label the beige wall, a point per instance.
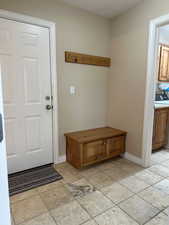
(128, 76)
(78, 31)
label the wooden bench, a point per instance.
(87, 147)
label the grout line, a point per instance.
(98, 213)
(84, 210)
(150, 203)
(28, 197)
(129, 216)
(34, 217)
(151, 218)
(31, 217)
(115, 206)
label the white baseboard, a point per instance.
(61, 159)
(133, 158)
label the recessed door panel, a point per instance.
(9, 82)
(10, 131)
(33, 133)
(31, 80)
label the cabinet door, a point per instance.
(115, 146)
(164, 63)
(94, 151)
(160, 128)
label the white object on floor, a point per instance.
(80, 190)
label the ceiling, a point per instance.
(106, 8)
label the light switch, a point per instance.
(72, 90)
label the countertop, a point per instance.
(161, 104)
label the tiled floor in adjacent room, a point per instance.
(126, 194)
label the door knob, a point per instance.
(49, 107)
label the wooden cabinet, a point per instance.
(90, 146)
(160, 128)
(164, 63)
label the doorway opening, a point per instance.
(156, 114)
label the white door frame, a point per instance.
(151, 87)
(52, 33)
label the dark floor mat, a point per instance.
(32, 178)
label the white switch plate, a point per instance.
(72, 90)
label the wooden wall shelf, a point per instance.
(73, 57)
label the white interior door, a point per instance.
(25, 60)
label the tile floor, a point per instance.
(126, 194)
